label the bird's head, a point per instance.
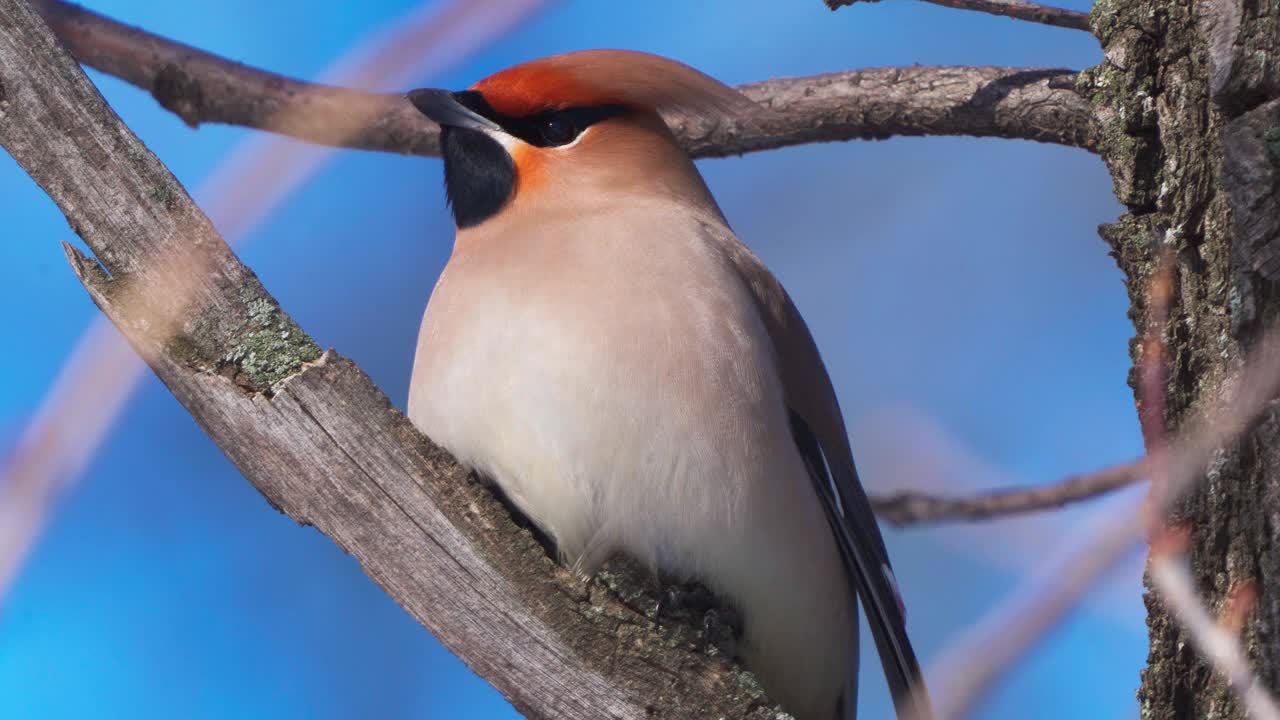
(573, 130)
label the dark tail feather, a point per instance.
(854, 525)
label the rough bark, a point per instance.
(320, 441)
(1029, 104)
(1191, 134)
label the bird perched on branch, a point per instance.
(635, 380)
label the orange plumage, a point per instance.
(635, 80)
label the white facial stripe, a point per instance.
(575, 140)
(510, 142)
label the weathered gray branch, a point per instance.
(1015, 9)
(312, 432)
(1029, 104)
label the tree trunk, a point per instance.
(1187, 96)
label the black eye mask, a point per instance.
(479, 174)
(549, 129)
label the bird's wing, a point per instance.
(820, 435)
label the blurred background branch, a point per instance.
(98, 377)
(1016, 103)
(1216, 639)
(1231, 408)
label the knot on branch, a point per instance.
(179, 93)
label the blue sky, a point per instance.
(970, 316)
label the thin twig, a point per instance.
(1018, 103)
(1217, 644)
(1153, 383)
(912, 508)
(966, 669)
(1168, 569)
(1030, 12)
(963, 672)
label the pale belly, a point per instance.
(632, 405)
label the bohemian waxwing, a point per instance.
(603, 348)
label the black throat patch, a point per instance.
(479, 175)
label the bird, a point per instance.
(603, 348)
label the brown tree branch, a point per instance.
(312, 432)
(914, 508)
(1016, 9)
(98, 377)
(200, 87)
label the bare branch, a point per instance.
(913, 508)
(875, 104)
(1167, 566)
(1219, 645)
(317, 438)
(1226, 410)
(964, 670)
(200, 87)
(1016, 9)
(95, 382)
(1034, 104)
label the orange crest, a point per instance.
(612, 77)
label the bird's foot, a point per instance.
(693, 605)
(721, 630)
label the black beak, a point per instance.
(442, 107)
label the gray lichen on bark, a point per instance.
(1183, 100)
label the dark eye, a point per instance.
(557, 129)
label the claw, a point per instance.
(720, 627)
(721, 630)
(668, 599)
(710, 626)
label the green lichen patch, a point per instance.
(164, 195)
(272, 347)
(1124, 103)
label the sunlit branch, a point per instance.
(1016, 103)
